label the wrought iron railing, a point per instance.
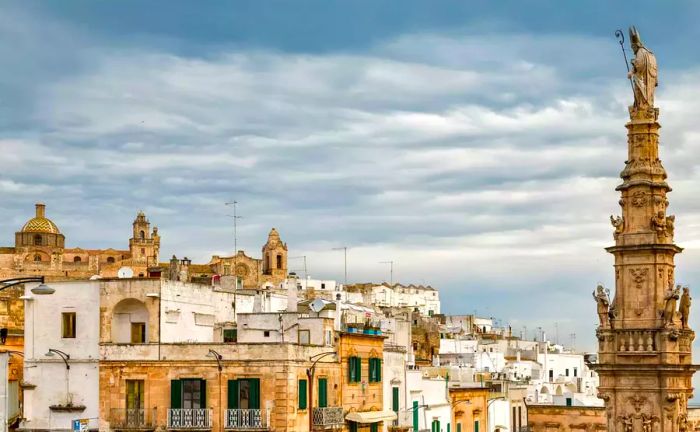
(183, 418)
(247, 419)
(329, 416)
(131, 418)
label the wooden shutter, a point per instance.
(395, 399)
(379, 370)
(175, 394)
(322, 392)
(203, 394)
(459, 427)
(358, 369)
(302, 394)
(476, 425)
(254, 402)
(232, 394)
(351, 369)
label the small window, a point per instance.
(38, 240)
(323, 285)
(77, 259)
(266, 333)
(575, 372)
(142, 235)
(304, 337)
(302, 394)
(566, 372)
(68, 325)
(110, 260)
(230, 335)
(279, 261)
(354, 369)
(569, 402)
(37, 258)
(143, 251)
(375, 370)
(138, 332)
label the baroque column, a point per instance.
(645, 364)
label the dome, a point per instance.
(39, 223)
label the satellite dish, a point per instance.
(95, 277)
(317, 305)
(125, 273)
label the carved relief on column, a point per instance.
(639, 277)
(637, 417)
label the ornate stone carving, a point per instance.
(644, 72)
(639, 198)
(602, 298)
(684, 307)
(619, 224)
(671, 300)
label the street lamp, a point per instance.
(41, 289)
(218, 357)
(64, 356)
(310, 375)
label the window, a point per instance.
(37, 258)
(37, 240)
(244, 393)
(476, 425)
(279, 261)
(134, 395)
(566, 372)
(375, 370)
(230, 335)
(266, 333)
(77, 259)
(354, 369)
(322, 392)
(188, 393)
(68, 324)
(575, 372)
(520, 417)
(435, 426)
(551, 374)
(110, 260)
(374, 427)
(569, 401)
(395, 399)
(304, 337)
(459, 427)
(430, 313)
(302, 394)
(323, 285)
(142, 235)
(143, 251)
(513, 421)
(138, 332)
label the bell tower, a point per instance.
(144, 243)
(645, 363)
(275, 256)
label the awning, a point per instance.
(370, 416)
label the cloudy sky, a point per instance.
(475, 145)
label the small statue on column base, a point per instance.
(602, 298)
(684, 308)
(671, 299)
(619, 224)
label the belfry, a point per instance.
(645, 363)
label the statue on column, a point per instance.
(644, 73)
(602, 298)
(671, 301)
(619, 224)
(684, 307)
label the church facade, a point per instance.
(40, 250)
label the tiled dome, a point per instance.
(40, 223)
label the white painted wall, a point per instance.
(393, 375)
(499, 415)
(433, 394)
(55, 385)
(189, 312)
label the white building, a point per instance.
(61, 364)
(431, 397)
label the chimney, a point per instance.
(40, 210)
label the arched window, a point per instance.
(77, 259)
(38, 240)
(110, 260)
(279, 261)
(37, 258)
(143, 235)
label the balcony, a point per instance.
(189, 419)
(247, 420)
(328, 417)
(123, 419)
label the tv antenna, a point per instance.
(235, 217)
(345, 260)
(305, 269)
(391, 271)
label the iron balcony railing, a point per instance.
(329, 416)
(247, 419)
(131, 418)
(184, 418)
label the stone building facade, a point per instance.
(557, 418)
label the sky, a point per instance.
(476, 145)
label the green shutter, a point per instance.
(175, 394)
(378, 367)
(353, 427)
(255, 393)
(459, 427)
(448, 427)
(232, 394)
(395, 399)
(351, 369)
(358, 371)
(476, 425)
(415, 415)
(203, 394)
(374, 427)
(302, 394)
(322, 392)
